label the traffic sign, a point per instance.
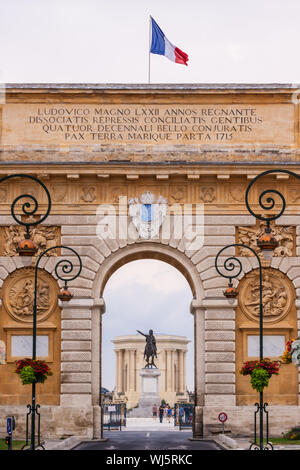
(222, 417)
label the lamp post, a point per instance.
(66, 267)
(63, 270)
(266, 243)
(233, 266)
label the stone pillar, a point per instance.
(184, 371)
(180, 370)
(97, 311)
(117, 372)
(131, 384)
(76, 357)
(199, 366)
(220, 352)
(81, 364)
(120, 371)
(169, 371)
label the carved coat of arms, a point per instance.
(147, 214)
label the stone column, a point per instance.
(76, 357)
(180, 370)
(81, 364)
(199, 366)
(97, 311)
(169, 371)
(131, 370)
(120, 370)
(220, 352)
(184, 371)
(117, 372)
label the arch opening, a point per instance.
(142, 294)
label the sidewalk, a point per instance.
(148, 424)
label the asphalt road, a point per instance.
(139, 440)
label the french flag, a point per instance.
(161, 45)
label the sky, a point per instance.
(107, 41)
(143, 295)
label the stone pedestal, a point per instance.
(149, 395)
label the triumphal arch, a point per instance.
(149, 171)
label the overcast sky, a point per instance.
(143, 295)
(107, 41)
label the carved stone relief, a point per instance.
(88, 193)
(3, 194)
(207, 194)
(44, 237)
(237, 193)
(177, 194)
(277, 295)
(285, 235)
(59, 192)
(18, 295)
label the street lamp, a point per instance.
(233, 266)
(66, 266)
(63, 270)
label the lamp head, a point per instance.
(267, 244)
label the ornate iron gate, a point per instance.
(184, 415)
(114, 416)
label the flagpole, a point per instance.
(149, 49)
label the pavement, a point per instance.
(167, 440)
(140, 440)
(150, 434)
(149, 424)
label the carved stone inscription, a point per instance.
(147, 124)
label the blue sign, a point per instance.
(9, 425)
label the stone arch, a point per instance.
(148, 250)
(170, 255)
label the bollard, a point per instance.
(10, 427)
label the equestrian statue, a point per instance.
(150, 349)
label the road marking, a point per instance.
(148, 434)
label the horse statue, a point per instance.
(150, 349)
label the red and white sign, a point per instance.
(222, 417)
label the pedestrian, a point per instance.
(169, 413)
(154, 411)
(161, 413)
(181, 413)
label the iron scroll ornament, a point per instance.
(269, 202)
(28, 207)
(66, 267)
(229, 263)
(233, 263)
